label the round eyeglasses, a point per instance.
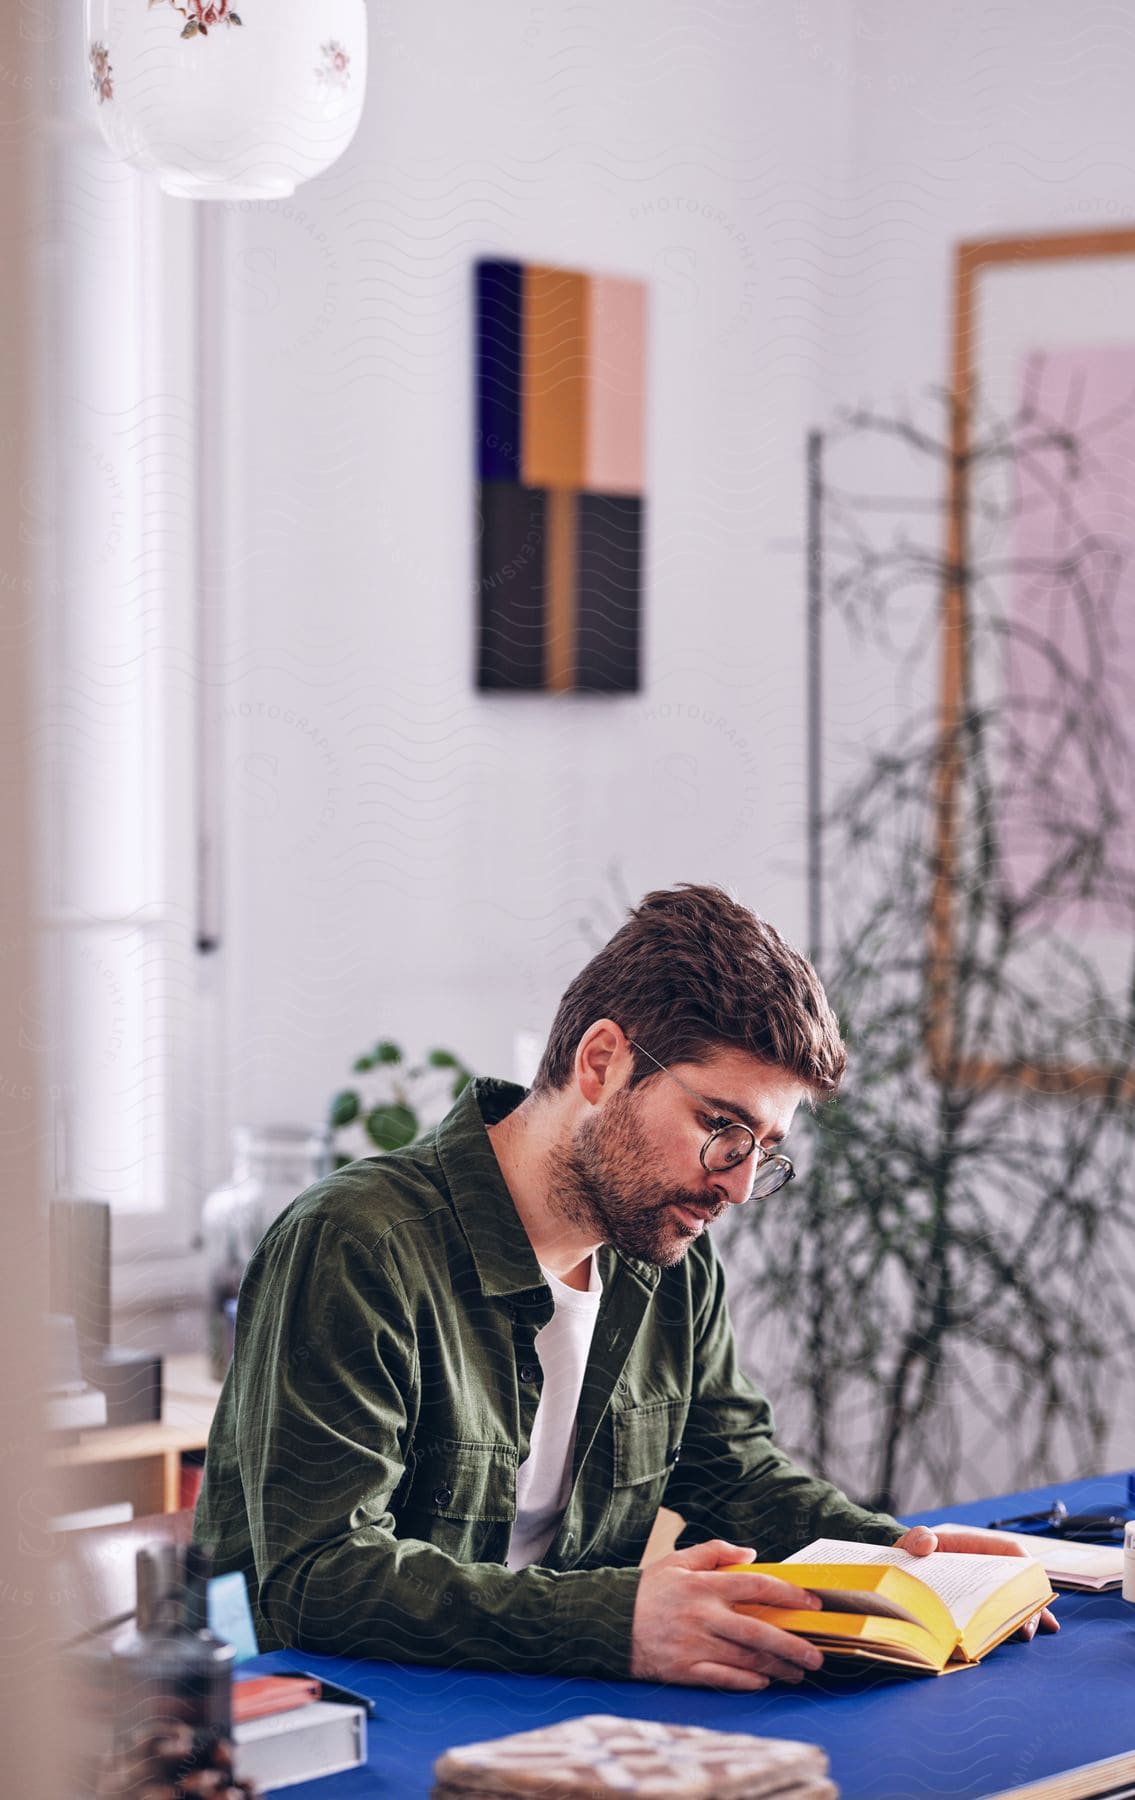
(730, 1144)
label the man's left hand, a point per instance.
(920, 1540)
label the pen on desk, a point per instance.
(330, 1690)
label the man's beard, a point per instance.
(603, 1185)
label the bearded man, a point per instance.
(469, 1373)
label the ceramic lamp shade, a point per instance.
(228, 99)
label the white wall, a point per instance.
(416, 859)
(421, 864)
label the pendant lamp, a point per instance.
(228, 99)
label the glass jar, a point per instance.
(172, 1670)
(271, 1165)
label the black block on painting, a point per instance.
(511, 587)
(608, 593)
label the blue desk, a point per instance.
(1029, 1711)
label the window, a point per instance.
(117, 502)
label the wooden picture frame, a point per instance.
(1070, 295)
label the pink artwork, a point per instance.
(1072, 620)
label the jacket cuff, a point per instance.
(593, 1619)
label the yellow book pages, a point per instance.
(878, 1609)
(1005, 1611)
(986, 1596)
(843, 1634)
(897, 1610)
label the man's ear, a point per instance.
(603, 1060)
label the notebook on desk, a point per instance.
(1068, 1563)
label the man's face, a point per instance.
(633, 1174)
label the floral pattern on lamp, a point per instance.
(335, 69)
(102, 75)
(273, 104)
(200, 14)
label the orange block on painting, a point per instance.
(554, 382)
(616, 384)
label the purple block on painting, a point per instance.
(499, 302)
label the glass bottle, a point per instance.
(172, 1670)
(271, 1165)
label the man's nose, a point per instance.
(736, 1184)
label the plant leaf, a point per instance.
(390, 1127)
(386, 1052)
(361, 1064)
(441, 1059)
(344, 1108)
(461, 1082)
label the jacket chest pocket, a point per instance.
(647, 1444)
(464, 1497)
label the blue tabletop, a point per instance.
(1029, 1710)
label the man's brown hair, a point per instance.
(691, 972)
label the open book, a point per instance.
(928, 1613)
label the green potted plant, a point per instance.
(394, 1100)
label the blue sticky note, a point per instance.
(230, 1615)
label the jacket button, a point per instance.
(528, 1371)
(442, 1495)
(675, 1454)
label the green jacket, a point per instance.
(362, 1464)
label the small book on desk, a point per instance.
(927, 1614)
(259, 1696)
(281, 1748)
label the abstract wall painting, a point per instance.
(560, 426)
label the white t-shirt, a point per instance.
(543, 1480)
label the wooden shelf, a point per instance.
(142, 1463)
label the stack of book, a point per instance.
(284, 1733)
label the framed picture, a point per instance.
(1034, 892)
(560, 456)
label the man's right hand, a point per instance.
(685, 1628)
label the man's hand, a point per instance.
(685, 1629)
(920, 1541)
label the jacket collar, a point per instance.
(501, 1248)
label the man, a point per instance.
(467, 1374)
